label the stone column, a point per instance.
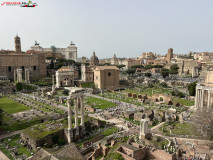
(199, 98)
(196, 97)
(70, 134)
(27, 75)
(202, 97)
(19, 75)
(15, 75)
(76, 115)
(53, 84)
(209, 99)
(82, 111)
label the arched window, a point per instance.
(34, 68)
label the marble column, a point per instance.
(53, 84)
(82, 111)
(19, 75)
(27, 75)
(196, 99)
(209, 99)
(15, 75)
(76, 114)
(70, 134)
(202, 98)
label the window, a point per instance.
(34, 68)
(109, 73)
(9, 69)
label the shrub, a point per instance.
(164, 85)
(19, 86)
(65, 92)
(174, 67)
(148, 74)
(150, 85)
(192, 88)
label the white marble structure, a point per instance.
(143, 128)
(65, 77)
(27, 75)
(70, 52)
(204, 92)
(19, 75)
(76, 94)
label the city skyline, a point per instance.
(123, 27)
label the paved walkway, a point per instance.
(157, 126)
(3, 156)
(6, 135)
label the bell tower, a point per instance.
(17, 44)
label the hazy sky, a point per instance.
(124, 27)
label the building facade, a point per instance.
(106, 77)
(69, 53)
(10, 61)
(204, 92)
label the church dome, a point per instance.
(94, 61)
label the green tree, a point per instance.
(19, 86)
(65, 92)
(137, 66)
(120, 66)
(165, 72)
(192, 88)
(174, 67)
(130, 71)
(148, 67)
(51, 64)
(164, 85)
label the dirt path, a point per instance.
(3, 156)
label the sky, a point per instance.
(124, 27)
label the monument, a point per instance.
(144, 130)
(78, 131)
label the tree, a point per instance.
(19, 86)
(65, 92)
(130, 71)
(51, 64)
(148, 74)
(174, 67)
(1, 116)
(173, 72)
(192, 88)
(165, 72)
(164, 85)
(150, 85)
(137, 66)
(158, 66)
(120, 66)
(148, 67)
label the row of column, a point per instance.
(18, 75)
(77, 99)
(199, 98)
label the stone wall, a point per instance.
(161, 155)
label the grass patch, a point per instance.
(99, 103)
(15, 126)
(185, 102)
(11, 107)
